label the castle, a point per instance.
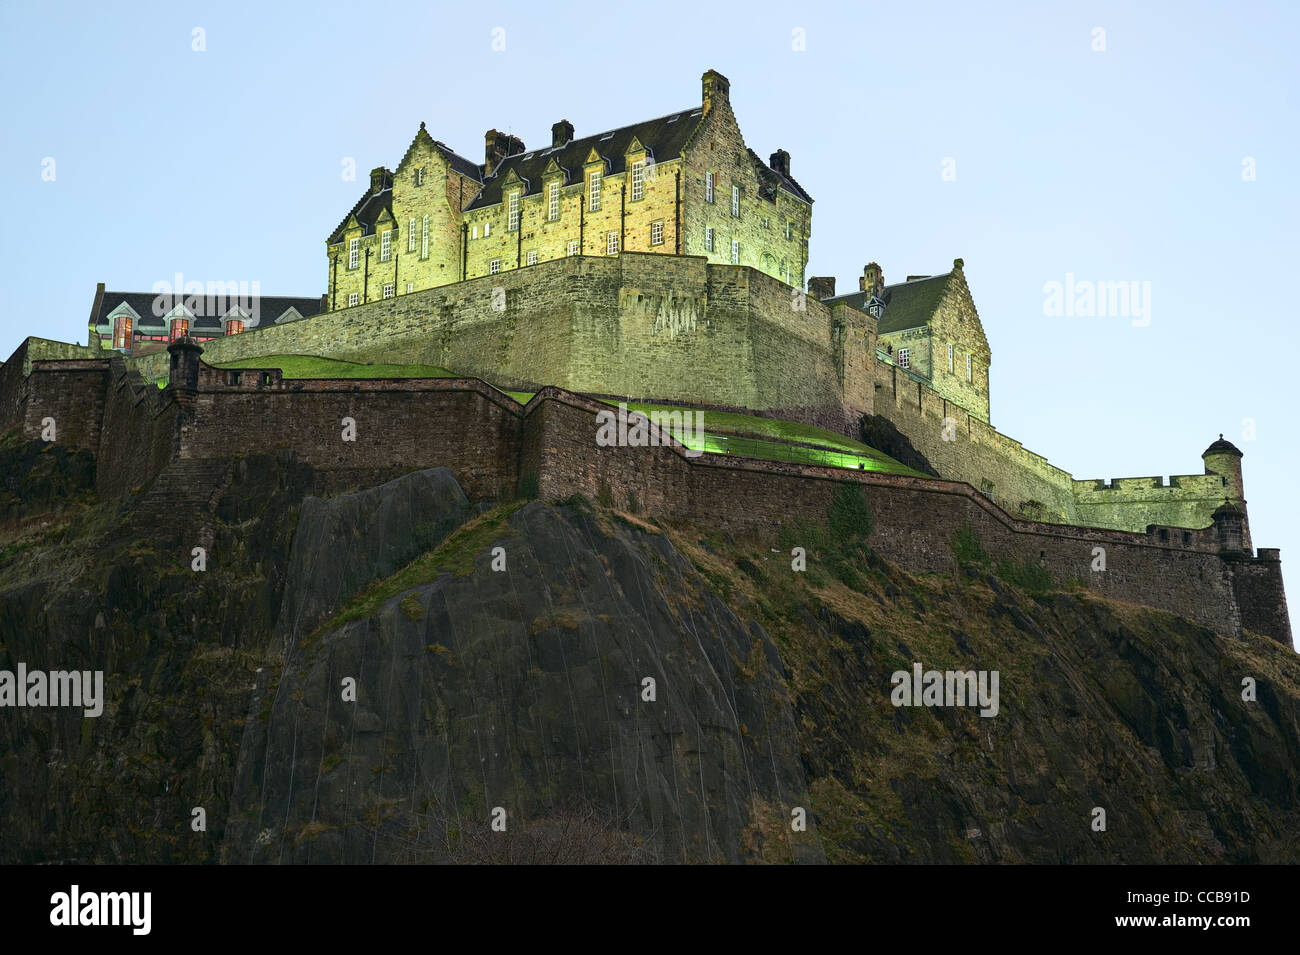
(683, 288)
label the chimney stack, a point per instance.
(717, 90)
(780, 161)
(873, 279)
(377, 179)
(821, 287)
(561, 133)
(497, 146)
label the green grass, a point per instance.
(769, 439)
(313, 366)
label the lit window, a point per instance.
(180, 328)
(494, 266)
(708, 187)
(410, 287)
(553, 201)
(424, 238)
(708, 238)
(735, 251)
(388, 290)
(657, 233)
(419, 176)
(611, 243)
(386, 245)
(970, 372)
(410, 236)
(735, 200)
(532, 257)
(354, 252)
(512, 222)
(638, 180)
(573, 246)
(352, 299)
(594, 203)
(950, 359)
(904, 358)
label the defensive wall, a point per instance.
(676, 328)
(494, 447)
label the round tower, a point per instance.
(1223, 458)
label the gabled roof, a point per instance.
(271, 309)
(368, 208)
(458, 163)
(663, 137)
(907, 304)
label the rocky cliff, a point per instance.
(392, 674)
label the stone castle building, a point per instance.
(682, 184)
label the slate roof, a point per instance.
(907, 304)
(663, 137)
(270, 309)
(1221, 446)
(368, 208)
(788, 181)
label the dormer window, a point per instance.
(553, 202)
(638, 180)
(385, 245)
(593, 204)
(354, 253)
(513, 222)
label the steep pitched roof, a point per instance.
(457, 162)
(907, 304)
(788, 181)
(663, 137)
(368, 208)
(270, 309)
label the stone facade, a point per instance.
(685, 183)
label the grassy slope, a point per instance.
(312, 366)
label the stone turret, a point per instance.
(185, 354)
(873, 279)
(1224, 459)
(1230, 523)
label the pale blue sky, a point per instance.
(1124, 164)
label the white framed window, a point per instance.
(950, 359)
(593, 204)
(419, 176)
(494, 266)
(410, 287)
(638, 180)
(354, 252)
(708, 187)
(353, 298)
(410, 236)
(573, 247)
(904, 358)
(424, 238)
(388, 290)
(512, 222)
(657, 232)
(553, 201)
(735, 251)
(708, 238)
(532, 257)
(788, 229)
(970, 370)
(487, 229)
(385, 245)
(735, 200)
(474, 233)
(611, 243)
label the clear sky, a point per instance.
(1001, 133)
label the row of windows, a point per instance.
(386, 243)
(708, 245)
(905, 361)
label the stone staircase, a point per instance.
(183, 497)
